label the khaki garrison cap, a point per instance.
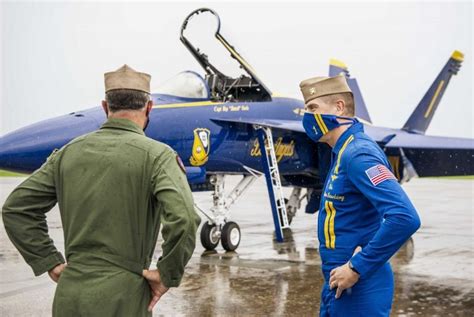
(127, 78)
(322, 86)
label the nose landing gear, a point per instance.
(229, 236)
(218, 227)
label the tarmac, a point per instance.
(434, 272)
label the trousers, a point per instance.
(368, 297)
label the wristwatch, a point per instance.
(353, 268)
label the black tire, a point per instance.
(208, 240)
(230, 236)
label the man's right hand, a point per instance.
(157, 287)
(56, 271)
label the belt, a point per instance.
(89, 258)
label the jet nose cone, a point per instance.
(24, 150)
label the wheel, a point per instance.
(209, 237)
(230, 236)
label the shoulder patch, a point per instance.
(379, 173)
(180, 163)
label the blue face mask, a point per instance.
(317, 125)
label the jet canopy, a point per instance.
(187, 84)
(246, 87)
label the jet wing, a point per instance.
(399, 139)
(420, 141)
(436, 156)
(429, 155)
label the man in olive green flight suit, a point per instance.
(114, 188)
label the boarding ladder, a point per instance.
(272, 175)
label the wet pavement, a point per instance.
(434, 272)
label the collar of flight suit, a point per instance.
(356, 127)
(122, 124)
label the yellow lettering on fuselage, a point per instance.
(281, 149)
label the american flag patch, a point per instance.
(378, 174)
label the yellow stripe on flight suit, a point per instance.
(349, 140)
(332, 234)
(326, 224)
(329, 232)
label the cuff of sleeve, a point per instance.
(45, 264)
(358, 264)
(168, 277)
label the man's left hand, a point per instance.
(343, 277)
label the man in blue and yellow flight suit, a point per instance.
(364, 215)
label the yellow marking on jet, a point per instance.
(278, 95)
(441, 84)
(337, 63)
(281, 149)
(187, 104)
(240, 58)
(458, 56)
(231, 108)
(395, 162)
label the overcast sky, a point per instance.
(54, 54)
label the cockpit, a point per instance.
(218, 86)
(187, 84)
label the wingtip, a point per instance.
(337, 63)
(458, 56)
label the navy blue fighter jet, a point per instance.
(221, 125)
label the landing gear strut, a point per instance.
(218, 227)
(293, 203)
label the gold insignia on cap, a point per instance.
(127, 78)
(322, 86)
